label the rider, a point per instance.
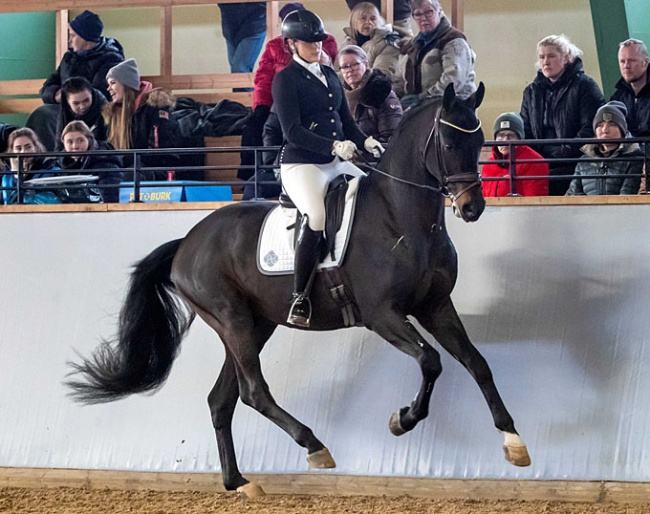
(320, 137)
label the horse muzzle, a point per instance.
(467, 203)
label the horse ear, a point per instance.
(477, 97)
(448, 96)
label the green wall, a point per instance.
(27, 51)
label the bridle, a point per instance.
(471, 177)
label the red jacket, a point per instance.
(523, 187)
(273, 60)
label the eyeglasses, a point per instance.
(418, 15)
(352, 66)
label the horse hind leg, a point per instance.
(398, 331)
(447, 328)
(244, 340)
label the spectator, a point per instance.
(81, 102)
(320, 135)
(560, 103)
(77, 137)
(510, 127)
(244, 28)
(25, 141)
(437, 56)
(401, 14)
(609, 123)
(274, 59)
(633, 88)
(373, 104)
(140, 117)
(381, 44)
(90, 55)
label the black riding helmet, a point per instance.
(303, 25)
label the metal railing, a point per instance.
(511, 161)
(136, 171)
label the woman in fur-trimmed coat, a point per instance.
(140, 116)
(373, 103)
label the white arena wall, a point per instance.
(556, 298)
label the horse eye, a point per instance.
(449, 147)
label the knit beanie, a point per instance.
(126, 73)
(509, 121)
(613, 111)
(88, 26)
(290, 7)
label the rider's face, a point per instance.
(309, 52)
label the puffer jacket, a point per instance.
(41, 167)
(525, 169)
(610, 185)
(430, 62)
(274, 59)
(574, 99)
(92, 64)
(383, 53)
(638, 106)
(375, 106)
(154, 126)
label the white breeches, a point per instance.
(306, 185)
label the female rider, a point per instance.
(320, 136)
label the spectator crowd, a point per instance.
(96, 100)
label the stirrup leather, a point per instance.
(300, 312)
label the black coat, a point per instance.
(154, 126)
(242, 19)
(92, 117)
(574, 99)
(312, 115)
(92, 64)
(638, 106)
(99, 162)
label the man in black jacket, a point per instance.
(633, 89)
(90, 55)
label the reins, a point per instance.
(471, 176)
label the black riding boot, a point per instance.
(305, 262)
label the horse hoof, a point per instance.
(395, 425)
(251, 490)
(322, 459)
(517, 454)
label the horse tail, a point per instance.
(152, 324)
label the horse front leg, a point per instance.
(445, 325)
(399, 332)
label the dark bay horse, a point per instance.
(400, 262)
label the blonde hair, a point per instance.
(358, 10)
(119, 118)
(563, 44)
(82, 128)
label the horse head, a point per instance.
(452, 151)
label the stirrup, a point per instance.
(300, 312)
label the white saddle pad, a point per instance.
(275, 247)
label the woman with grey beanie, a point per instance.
(139, 116)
